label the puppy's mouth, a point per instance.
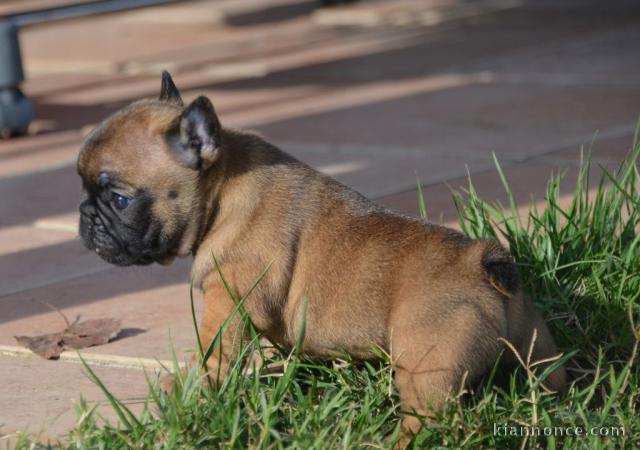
(115, 254)
(166, 259)
(97, 238)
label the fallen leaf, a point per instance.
(49, 346)
(76, 336)
(90, 333)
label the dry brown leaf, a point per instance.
(49, 346)
(76, 336)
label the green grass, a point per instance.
(580, 264)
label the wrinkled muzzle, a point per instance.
(99, 235)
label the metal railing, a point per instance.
(16, 111)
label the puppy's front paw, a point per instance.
(168, 382)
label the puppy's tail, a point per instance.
(500, 269)
(501, 273)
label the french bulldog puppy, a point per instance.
(163, 180)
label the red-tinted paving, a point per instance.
(375, 94)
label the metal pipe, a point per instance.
(81, 10)
(15, 109)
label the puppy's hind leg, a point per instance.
(528, 332)
(434, 358)
(423, 386)
(522, 317)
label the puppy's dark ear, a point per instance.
(168, 90)
(195, 136)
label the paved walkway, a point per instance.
(376, 94)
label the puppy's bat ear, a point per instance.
(195, 135)
(168, 90)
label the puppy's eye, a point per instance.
(119, 201)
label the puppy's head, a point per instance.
(141, 170)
